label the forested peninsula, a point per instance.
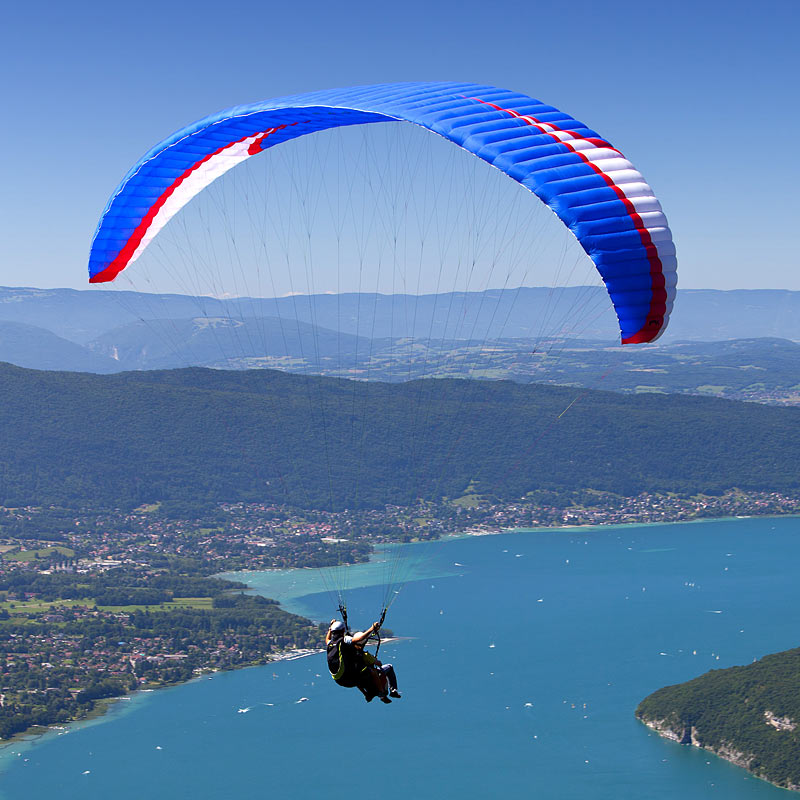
(749, 715)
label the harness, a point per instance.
(339, 674)
(358, 664)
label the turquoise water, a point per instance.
(529, 654)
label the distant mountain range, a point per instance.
(38, 348)
(700, 314)
(224, 342)
(762, 370)
(741, 344)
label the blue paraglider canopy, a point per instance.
(588, 183)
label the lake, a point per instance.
(527, 655)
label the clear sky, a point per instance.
(701, 96)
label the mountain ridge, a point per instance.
(82, 315)
(209, 435)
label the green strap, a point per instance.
(339, 672)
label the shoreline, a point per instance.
(283, 588)
(108, 705)
(30, 737)
(601, 525)
(735, 757)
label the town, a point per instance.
(252, 536)
(96, 604)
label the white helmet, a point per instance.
(337, 626)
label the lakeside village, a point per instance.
(95, 605)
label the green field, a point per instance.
(32, 555)
(17, 607)
(468, 501)
(171, 605)
(40, 606)
(149, 508)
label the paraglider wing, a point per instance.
(589, 184)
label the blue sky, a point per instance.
(701, 97)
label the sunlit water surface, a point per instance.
(529, 654)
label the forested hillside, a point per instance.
(749, 715)
(198, 435)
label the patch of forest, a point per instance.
(203, 436)
(749, 715)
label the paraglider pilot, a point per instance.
(351, 665)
